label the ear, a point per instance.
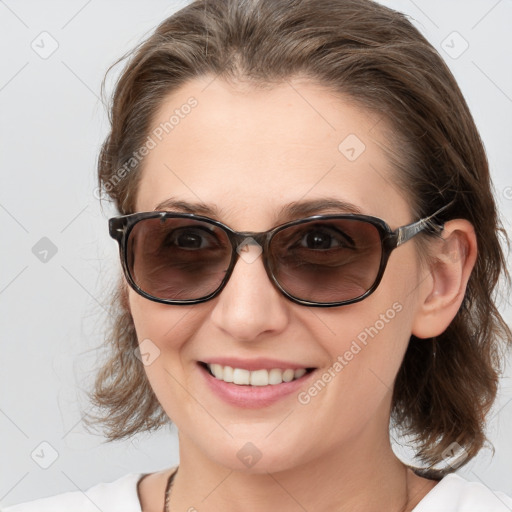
(451, 260)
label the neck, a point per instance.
(358, 476)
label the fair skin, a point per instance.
(250, 152)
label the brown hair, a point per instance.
(360, 49)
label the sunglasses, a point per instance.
(321, 260)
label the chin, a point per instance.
(260, 456)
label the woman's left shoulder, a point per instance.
(117, 496)
(456, 494)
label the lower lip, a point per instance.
(252, 397)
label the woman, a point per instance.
(310, 248)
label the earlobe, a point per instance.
(452, 259)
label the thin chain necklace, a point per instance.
(168, 488)
(170, 480)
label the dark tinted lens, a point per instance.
(328, 260)
(176, 258)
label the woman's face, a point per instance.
(249, 154)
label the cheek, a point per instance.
(166, 326)
(164, 334)
(372, 342)
(353, 392)
(368, 340)
(162, 331)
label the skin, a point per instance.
(249, 152)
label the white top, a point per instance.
(452, 494)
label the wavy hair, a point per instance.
(374, 55)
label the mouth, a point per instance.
(254, 383)
(257, 378)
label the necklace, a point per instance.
(168, 488)
(170, 480)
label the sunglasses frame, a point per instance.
(120, 228)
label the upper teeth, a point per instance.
(255, 378)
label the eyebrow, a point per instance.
(290, 211)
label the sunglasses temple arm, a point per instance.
(407, 232)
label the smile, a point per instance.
(263, 377)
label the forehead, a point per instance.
(249, 152)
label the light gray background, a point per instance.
(51, 125)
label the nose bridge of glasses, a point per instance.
(242, 239)
(250, 246)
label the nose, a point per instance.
(249, 304)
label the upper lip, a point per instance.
(260, 363)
